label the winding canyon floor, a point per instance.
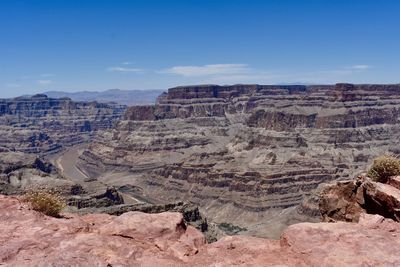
(270, 223)
(67, 164)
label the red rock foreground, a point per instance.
(28, 238)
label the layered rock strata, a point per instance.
(39, 124)
(247, 154)
(21, 172)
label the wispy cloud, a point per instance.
(245, 73)
(44, 75)
(208, 70)
(44, 82)
(126, 63)
(347, 70)
(257, 77)
(222, 73)
(122, 69)
(360, 67)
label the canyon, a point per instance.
(246, 175)
(44, 125)
(35, 129)
(247, 155)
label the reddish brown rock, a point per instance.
(28, 238)
(347, 200)
(341, 201)
(382, 199)
(395, 181)
(372, 242)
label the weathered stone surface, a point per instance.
(348, 200)
(313, 244)
(28, 238)
(382, 199)
(395, 181)
(39, 124)
(346, 244)
(246, 153)
(341, 201)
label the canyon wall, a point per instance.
(246, 154)
(43, 125)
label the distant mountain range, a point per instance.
(125, 97)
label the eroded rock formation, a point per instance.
(43, 125)
(246, 154)
(28, 238)
(348, 200)
(20, 172)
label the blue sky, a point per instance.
(76, 45)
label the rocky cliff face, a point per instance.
(247, 154)
(39, 124)
(28, 238)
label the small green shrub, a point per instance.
(46, 201)
(384, 167)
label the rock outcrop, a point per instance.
(28, 238)
(348, 200)
(43, 125)
(246, 154)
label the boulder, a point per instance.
(347, 200)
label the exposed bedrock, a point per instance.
(348, 200)
(20, 172)
(247, 154)
(28, 238)
(43, 125)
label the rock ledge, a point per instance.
(28, 238)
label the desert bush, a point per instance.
(44, 200)
(384, 167)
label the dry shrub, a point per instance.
(44, 200)
(384, 167)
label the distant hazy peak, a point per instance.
(125, 97)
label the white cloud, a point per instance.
(257, 77)
(44, 82)
(122, 69)
(47, 75)
(126, 63)
(208, 70)
(222, 74)
(360, 67)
